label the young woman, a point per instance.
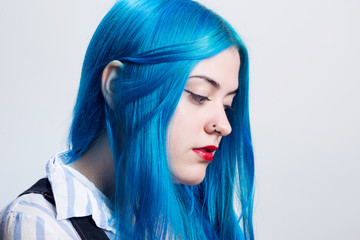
(160, 144)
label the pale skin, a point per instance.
(208, 94)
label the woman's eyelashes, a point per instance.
(197, 98)
(229, 108)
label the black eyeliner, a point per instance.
(199, 99)
(197, 95)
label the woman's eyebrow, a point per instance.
(233, 92)
(211, 81)
(214, 83)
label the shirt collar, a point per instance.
(76, 196)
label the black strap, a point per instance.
(87, 229)
(85, 226)
(42, 187)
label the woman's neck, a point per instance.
(97, 165)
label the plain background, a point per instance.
(304, 105)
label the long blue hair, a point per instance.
(159, 42)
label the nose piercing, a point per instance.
(214, 126)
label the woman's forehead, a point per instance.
(221, 70)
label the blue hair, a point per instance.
(159, 42)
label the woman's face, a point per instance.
(200, 120)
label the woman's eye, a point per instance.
(229, 108)
(197, 98)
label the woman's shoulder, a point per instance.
(31, 216)
(32, 204)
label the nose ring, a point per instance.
(214, 126)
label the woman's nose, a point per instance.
(219, 124)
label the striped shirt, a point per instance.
(31, 216)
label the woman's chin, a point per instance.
(190, 179)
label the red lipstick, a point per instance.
(205, 152)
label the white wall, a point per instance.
(304, 103)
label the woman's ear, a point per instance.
(108, 79)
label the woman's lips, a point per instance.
(205, 152)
